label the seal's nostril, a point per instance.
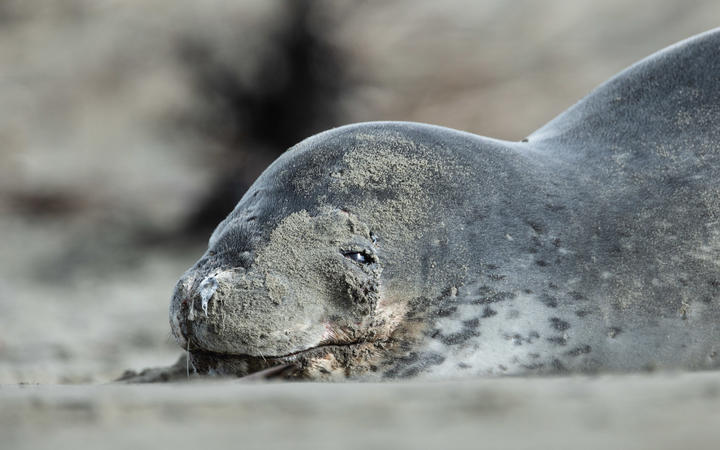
(207, 289)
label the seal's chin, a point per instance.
(211, 363)
(334, 361)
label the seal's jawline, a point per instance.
(281, 358)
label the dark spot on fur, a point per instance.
(491, 267)
(459, 338)
(406, 346)
(576, 295)
(552, 285)
(448, 291)
(534, 355)
(519, 339)
(492, 296)
(557, 340)
(556, 242)
(558, 366)
(496, 277)
(582, 313)
(420, 362)
(534, 366)
(472, 323)
(613, 332)
(577, 351)
(538, 228)
(501, 367)
(541, 263)
(650, 367)
(410, 358)
(446, 310)
(488, 312)
(462, 365)
(485, 290)
(554, 208)
(549, 301)
(559, 324)
(528, 291)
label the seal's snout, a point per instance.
(190, 302)
(180, 306)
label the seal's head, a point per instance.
(318, 261)
(313, 283)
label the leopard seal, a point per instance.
(392, 250)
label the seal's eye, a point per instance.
(358, 257)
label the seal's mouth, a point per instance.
(326, 358)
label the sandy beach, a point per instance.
(659, 411)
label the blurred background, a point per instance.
(129, 129)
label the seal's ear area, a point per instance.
(671, 98)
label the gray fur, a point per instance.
(592, 245)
